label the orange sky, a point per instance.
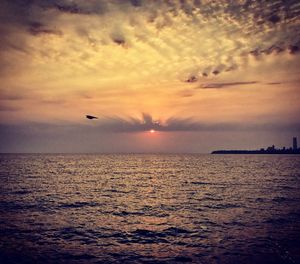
(192, 66)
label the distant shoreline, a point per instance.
(256, 151)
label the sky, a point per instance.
(202, 74)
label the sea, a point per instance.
(149, 208)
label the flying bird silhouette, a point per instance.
(91, 117)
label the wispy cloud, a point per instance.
(273, 83)
(173, 124)
(224, 85)
(145, 123)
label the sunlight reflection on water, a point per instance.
(149, 208)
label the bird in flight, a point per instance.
(91, 117)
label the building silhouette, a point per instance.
(269, 150)
(295, 147)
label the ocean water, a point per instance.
(149, 208)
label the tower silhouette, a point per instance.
(295, 146)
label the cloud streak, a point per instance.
(224, 85)
(176, 124)
(144, 124)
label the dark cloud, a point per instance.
(293, 49)
(255, 52)
(224, 85)
(275, 49)
(118, 37)
(144, 124)
(32, 15)
(210, 70)
(189, 124)
(173, 124)
(274, 18)
(273, 83)
(71, 8)
(119, 41)
(192, 79)
(136, 2)
(37, 28)
(77, 7)
(65, 6)
(130, 124)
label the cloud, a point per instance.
(192, 79)
(8, 108)
(224, 85)
(37, 28)
(126, 134)
(275, 50)
(293, 49)
(274, 18)
(71, 8)
(273, 83)
(136, 2)
(130, 56)
(146, 123)
(184, 36)
(130, 124)
(173, 124)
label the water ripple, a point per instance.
(149, 209)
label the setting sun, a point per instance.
(149, 131)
